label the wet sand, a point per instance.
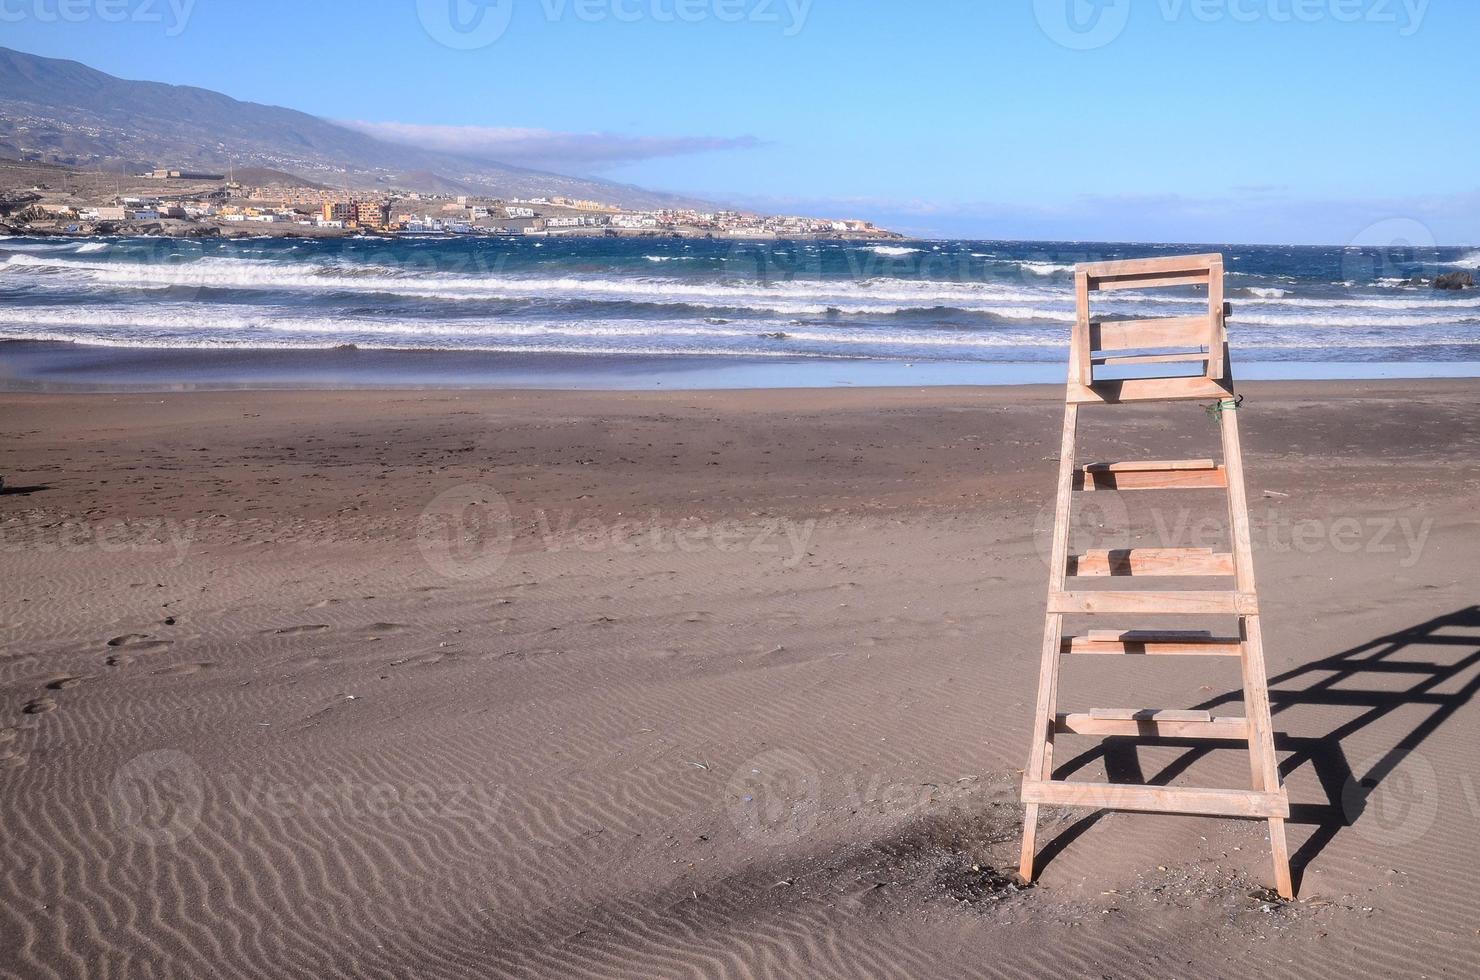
(695, 683)
(33, 365)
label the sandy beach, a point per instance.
(691, 683)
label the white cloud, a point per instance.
(546, 149)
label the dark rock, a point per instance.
(1455, 280)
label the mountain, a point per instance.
(58, 111)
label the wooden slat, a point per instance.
(1216, 332)
(1150, 465)
(1148, 390)
(1081, 368)
(1157, 602)
(1163, 479)
(1151, 561)
(1151, 636)
(1150, 281)
(1166, 331)
(1159, 263)
(1216, 728)
(1149, 714)
(1159, 799)
(1211, 646)
(1113, 359)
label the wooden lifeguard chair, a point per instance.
(1096, 345)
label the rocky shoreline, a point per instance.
(176, 228)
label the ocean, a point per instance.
(921, 301)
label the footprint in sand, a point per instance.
(138, 642)
(181, 670)
(295, 630)
(375, 630)
(63, 683)
(119, 660)
(10, 758)
(39, 706)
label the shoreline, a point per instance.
(27, 365)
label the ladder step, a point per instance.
(1233, 603)
(1154, 474)
(1080, 723)
(1147, 390)
(1148, 714)
(1158, 799)
(1149, 636)
(1197, 643)
(1151, 561)
(1151, 465)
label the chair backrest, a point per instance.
(1157, 341)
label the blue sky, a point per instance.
(1168, 120)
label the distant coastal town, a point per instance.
(180, 203)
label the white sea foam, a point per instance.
(214, 327)
(879, 295)
(893, 250)
(1336, 319)
(416, 280)
(305, 304)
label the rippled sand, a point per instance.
(700, 684)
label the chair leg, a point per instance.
(1281, 851)
(1030, 839)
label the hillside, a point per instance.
(64, 112)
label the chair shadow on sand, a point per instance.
(1451, 652)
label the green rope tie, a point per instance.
(1224, 405)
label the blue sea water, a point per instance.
(962, 301)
